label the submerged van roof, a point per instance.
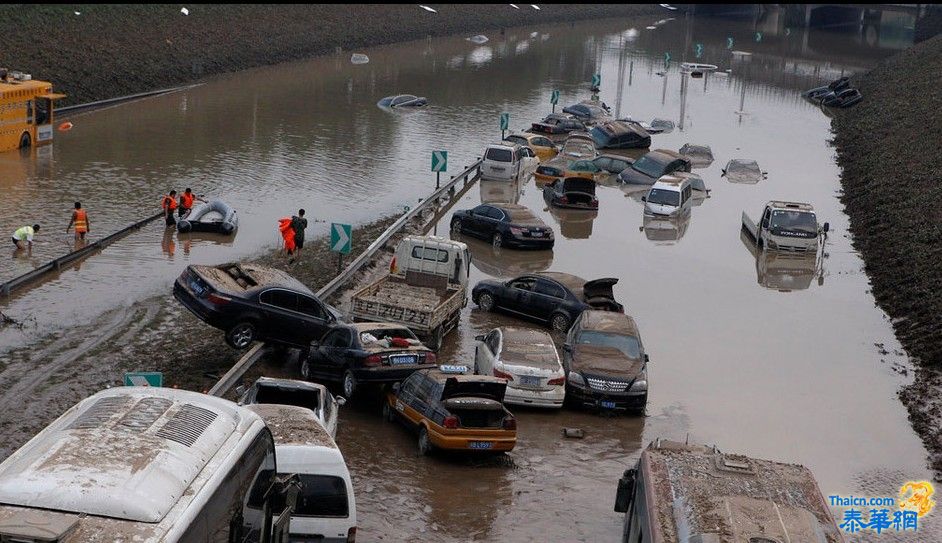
(127, 453)
(293, 425)
(699, 491)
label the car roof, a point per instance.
(503, 145)
(293, 425)
(609, 321)
(262, 276)
(615, 157)
(699, 492)
(669, 182)
(665, 155)
(791, 205)
(528, 347)
(128, 453)
(572, 282)
(613, 128)
(289, 383)
(519, 214)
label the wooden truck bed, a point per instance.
(393, 299)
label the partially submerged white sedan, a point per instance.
(528, 360)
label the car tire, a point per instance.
(25, 141)
(436, 339)
(241, 335)
(486, 301)
(497, 240)
(425, 446)
(456, 226)
(388, 414)
(305, 369)
(560, 322)
(348, 384)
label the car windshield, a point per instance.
(499, 155)
(664, 197)
(600, 137)
(629, 345)
(321, 496)
(649, 167)
(517, 139)
(795, 220)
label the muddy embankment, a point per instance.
(92, 52)
(888, 147)
(158, 334)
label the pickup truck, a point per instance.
(786, 226)
(425, 290)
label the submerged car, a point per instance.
(552, 170)
(654, 165)
(403, 100)
(507, 161)
(589, 113)
(366, 353)
(672, 194)
(572, 192)
(312, 396)
(251, 302)
(743, 170)
(605, 363)
(544, 148)
(700, 156)
(557, 124)
(505, 225)
(528, 360)
(452, 409)
(552, 297)
(613, 164)
(620, 135)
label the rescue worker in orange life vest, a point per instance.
(186, 201)
(169, 205)
(80, 221)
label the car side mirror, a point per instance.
(567, 347)
(646, 357)
(827, 226)
(644, 198)
(765, 223)
(240, 390)
(479, 338)
(341, 401)
(626, 490)
(396, 387)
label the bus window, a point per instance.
(43, 107)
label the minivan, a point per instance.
(506, 161)
(669, 195)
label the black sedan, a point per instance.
(367, 352)
(252, 302)
(505, 225)
(620, 135)
(649, 168)
(557, 123)
(552, 297)
(402, 100)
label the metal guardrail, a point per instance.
(120, 99)
(243, 364)
(55, 265)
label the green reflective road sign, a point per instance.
(439, 161)
(505, 121)
(698, 48)
(143, 379)
(554, 97)
(758, 36)
(596, 80)
(729, 42)
(341, 237)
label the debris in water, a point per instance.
(359, 58)
(668, 6)
(426, 8)
(741, 53)
(479, 39)
(78, 12)
(427, 508)
(575, 433)
(65, 127)
(651, 27)
(722, 74)
(631, 33)
(534, 6)
(184, 11)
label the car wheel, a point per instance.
(456, 226)
(349, 384)
(486, 301)
(498, 240)
(437, 339)
(25, 141)
(425, 446)
(560, 322)
(388, 414)
(241, 335)
(306, 370)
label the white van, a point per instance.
(669, 195)
(508, 161)
(141, 464)
(326, 510)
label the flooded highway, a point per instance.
(786, 359)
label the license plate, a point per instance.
(608, 405)
(536, 234)
(497, 168)
(479, 444)
(529, 381)
(401, 360)
(196, 287)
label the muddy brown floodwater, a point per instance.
(774, 358)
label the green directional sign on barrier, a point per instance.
(505, 121)
(596, 80)
(758, 36)
(729, 42)
(341, 238)
(554, 97)
(143, 379)
(439, 161)
(698, 48)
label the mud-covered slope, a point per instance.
(115, 50)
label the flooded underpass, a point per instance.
(775, 358)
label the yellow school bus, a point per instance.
(26, 111)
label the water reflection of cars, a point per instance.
(402, 100)
(498, 262)
(574, 223)
(784, 271)
(499, 192)
(506, 225)
(652, 166)
(669, 229)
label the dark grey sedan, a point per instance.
(649, 168)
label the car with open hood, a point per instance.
(572, 193)
(528, 360)
(506, 225)
(552, 297)
(366, 353)
(654, 165)
(606, 366)
(452, 409)
(312, 396)
(251, 302)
